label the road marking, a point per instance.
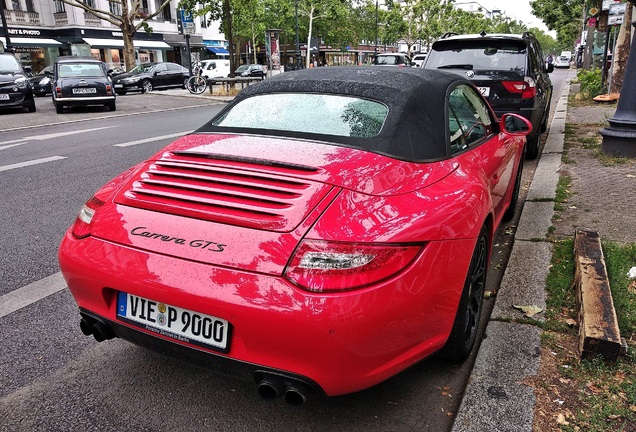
(31, 162)
(29, 294)
(17, 143)
(147, 140)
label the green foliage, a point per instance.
(591, 83)
(563, 16)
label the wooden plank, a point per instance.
(598, 326)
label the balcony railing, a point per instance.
(91, 19)
(61, 19)
(21, 17)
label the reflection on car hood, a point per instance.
(126, 75)
(9, 77)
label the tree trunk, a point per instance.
(311, 22)
(128, 32)
(227, 17)
(622, 51)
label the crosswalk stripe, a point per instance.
(31, 162)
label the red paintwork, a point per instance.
(344, 341)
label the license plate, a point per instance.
(4, 97)
(88, 90)
(174, 322)
(119, 85)
(485, 91)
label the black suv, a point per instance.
(15, 87)
(509, 70)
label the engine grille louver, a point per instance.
(239, 192)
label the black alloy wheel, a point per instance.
(466, 325)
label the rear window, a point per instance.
(79, 70)
(494, 55)
(311, 113)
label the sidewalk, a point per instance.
(604, 199)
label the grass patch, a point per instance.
(603, 394)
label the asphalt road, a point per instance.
(53, 378)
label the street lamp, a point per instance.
(4, 26)
(297, 42)
(376, 28)
(620, 136)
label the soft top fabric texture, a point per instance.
(415, 129)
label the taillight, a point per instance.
(109, 90)
(322, 266)
(58, 91)
(82, 226)
(527, 88)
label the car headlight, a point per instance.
(45, 81)
(21, 82)
(131, 80)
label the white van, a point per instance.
(215, 68)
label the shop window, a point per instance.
(59, 6)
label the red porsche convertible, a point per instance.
(326, 230)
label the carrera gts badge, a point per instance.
(199, 244)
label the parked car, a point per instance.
(392, 59)
(215, 68)
(562, 62)
(320, 250)
(149, 76)
(81, 81)
(250, 70)
(509, 70)
(41, 82)
(418, 60)
(15, 88)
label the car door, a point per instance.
(472, 130)
(175, 75)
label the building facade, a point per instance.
(42, 30)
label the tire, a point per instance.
(59, 108)
(112, 106)
(196, 84)
(121, 92)
(466, 324)
(146, 86)
(185, 82)
(510, 211)
(532, 146)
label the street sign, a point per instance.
(615, 19)
(607, 4)
(185, 22)
(617, 9)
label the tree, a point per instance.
(128, 15)
(563, 16)
(217, 10)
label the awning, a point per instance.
(217, 50)
(31, 42)
(119, 43)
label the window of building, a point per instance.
(90, 3)
(114, 7)
(15, 5)
(29, 5)
(59, 6)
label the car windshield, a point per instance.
(80, 70)
(308, 113)
(488, 55)
(242, 68)
(9, 64)
(145, 67)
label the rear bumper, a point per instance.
(338, 343)
(85, 100)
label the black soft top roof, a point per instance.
(415, 128)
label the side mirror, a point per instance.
(514, 124)
(48, 73)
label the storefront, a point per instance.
(33, 47)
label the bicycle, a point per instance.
(197, 83)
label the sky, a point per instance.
(519, 10)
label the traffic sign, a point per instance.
(185, 22)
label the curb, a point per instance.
(496, 398)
